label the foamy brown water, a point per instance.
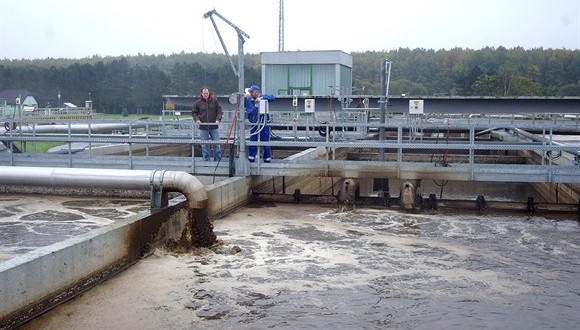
(28, 222)
(305, 266)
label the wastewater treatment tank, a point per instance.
(29, 221)
(310, 266)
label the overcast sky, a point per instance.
(78, 29)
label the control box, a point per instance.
(264, 107)
(416, 107)
(309, 105)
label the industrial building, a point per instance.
(313, 73)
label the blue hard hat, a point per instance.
(254, 88)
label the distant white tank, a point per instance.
(349, 192)
(407, 194)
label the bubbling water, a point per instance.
(307, 266)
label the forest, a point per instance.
(134, 84)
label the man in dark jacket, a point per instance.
(207, 114)
(252, 105)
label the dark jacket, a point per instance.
(207, 112)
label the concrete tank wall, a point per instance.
(46, 277)
(40, 280)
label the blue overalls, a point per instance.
(261, 121)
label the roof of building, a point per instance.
(307, 57)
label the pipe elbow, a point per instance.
(189, 186)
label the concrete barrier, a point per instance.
(41, 279)
(44, 278)
(308, 154)
(227, 195)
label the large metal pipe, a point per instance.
(154, 180)
(538, 138)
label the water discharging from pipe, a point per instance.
(202, 234)
(198, 232)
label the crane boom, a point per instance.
(242, 163)
(238, 30)
(241, 35)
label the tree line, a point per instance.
(134, 84)
(485, 72)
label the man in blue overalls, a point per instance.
(261, 127)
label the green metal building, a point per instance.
(315, 73)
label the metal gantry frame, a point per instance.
(243, 163)
(142, 136)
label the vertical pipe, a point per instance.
(400, 149)
(243, 163)
(90, 140)
(193, 132)
(34, 136)
(147, 138)
(543, 143)
(130, 147)
(69, 146)
(382, 103)
(471, 151)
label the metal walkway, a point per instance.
(414, 147)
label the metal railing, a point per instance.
(47, 113)
(354, 130)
